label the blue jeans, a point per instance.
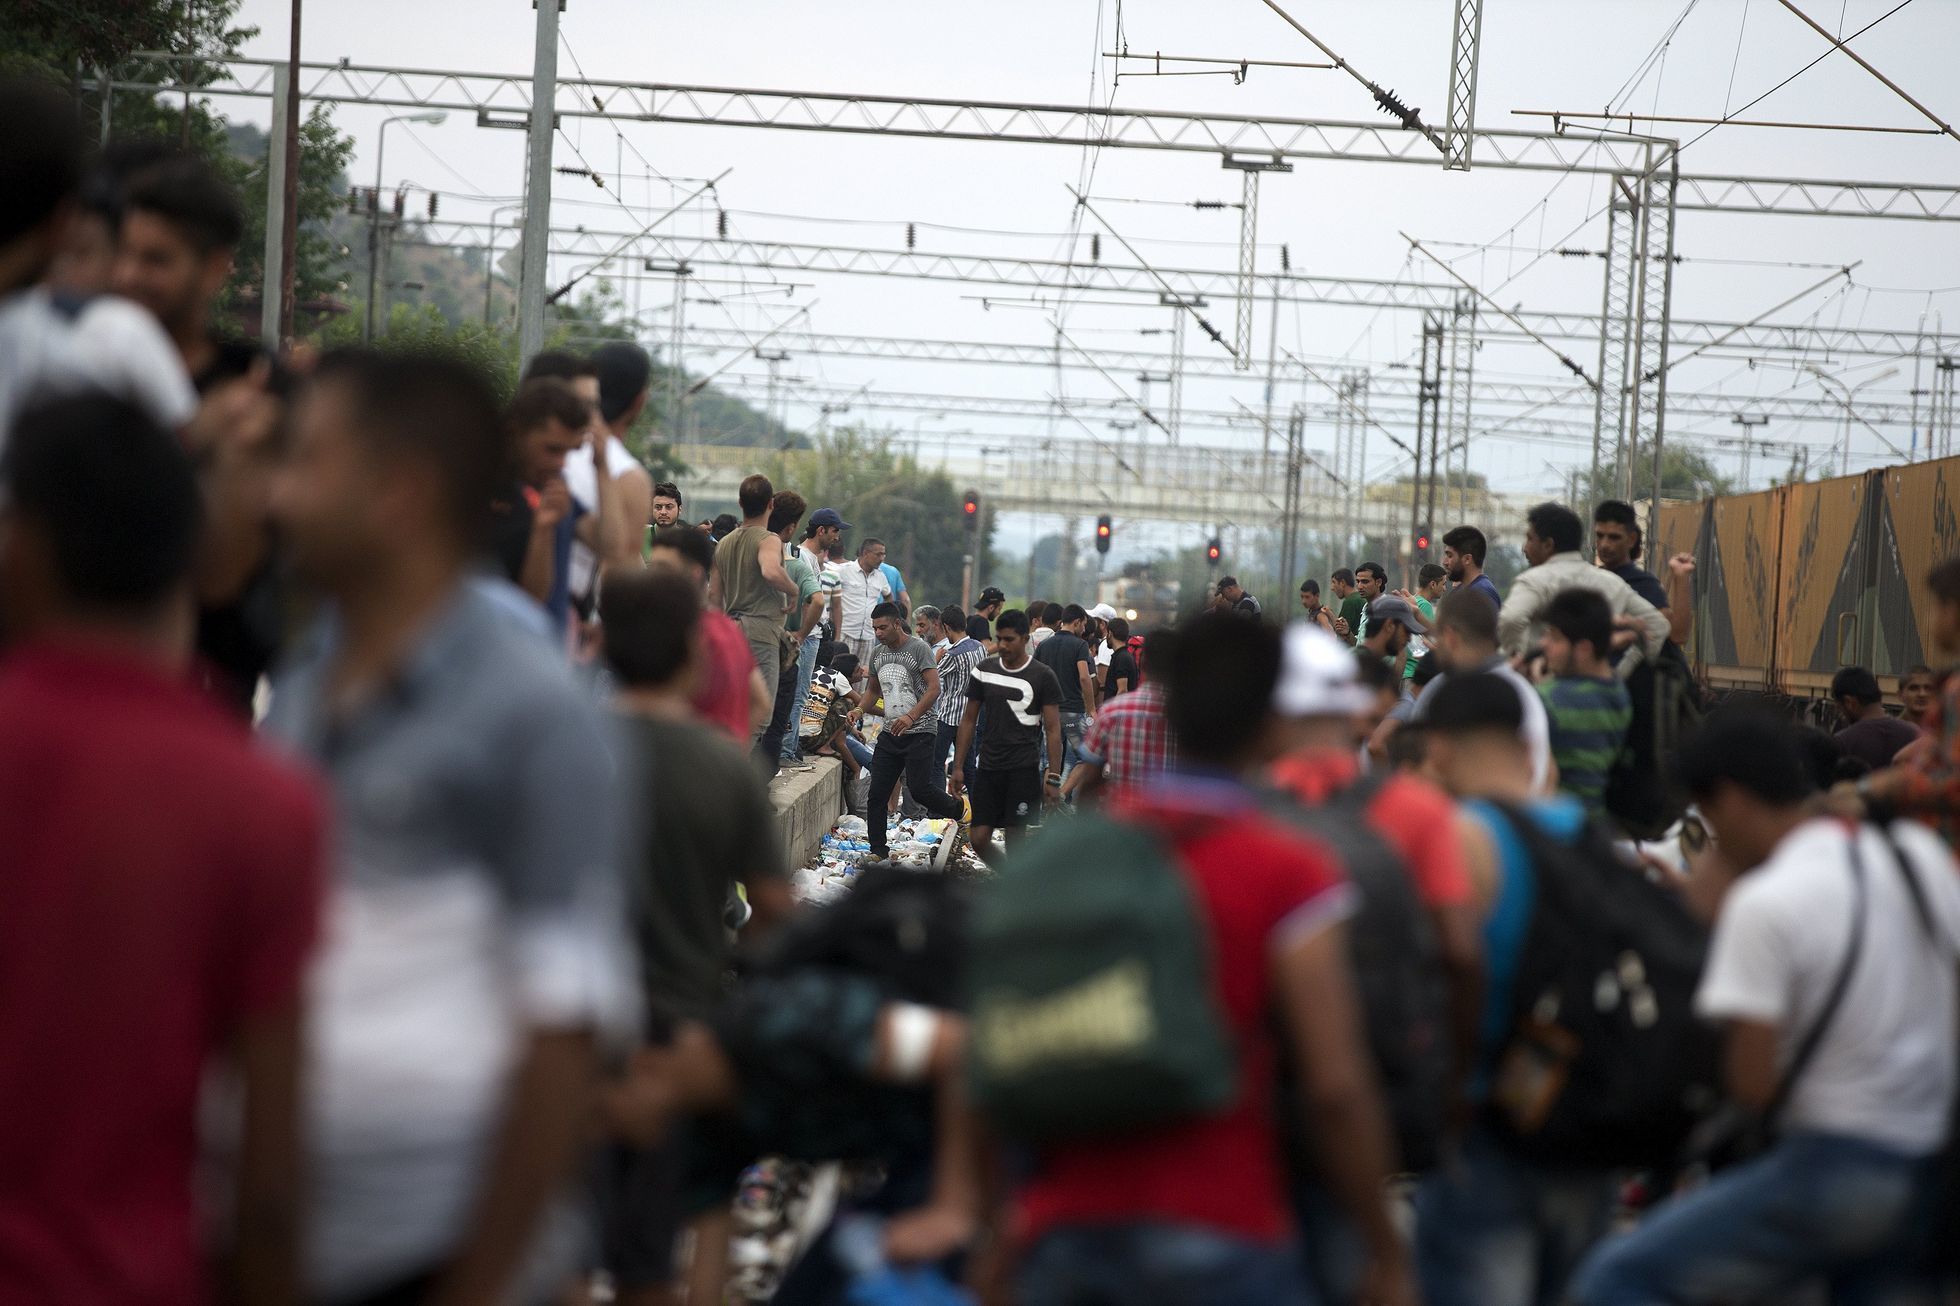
(949, 738)
(1815, 1208)
(859, 750)
(1492, 1230)
(1073, 730)
(806, 667)
(1147, 1264)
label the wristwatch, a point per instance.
(1055, 778)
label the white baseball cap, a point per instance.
(1103, 612)
(1317, 676)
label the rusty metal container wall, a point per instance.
(1917, 526)
(1745, 538)
(1822, 579)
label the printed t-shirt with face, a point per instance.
(1064, 654)
(901, 675)
(1011, 703)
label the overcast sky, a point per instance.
(1336, 218)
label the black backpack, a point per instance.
(1606, 1064)
(1641, 793)
(907, 930)
(1398, 973)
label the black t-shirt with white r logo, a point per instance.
(1010, 736)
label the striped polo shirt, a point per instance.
(1588, 720)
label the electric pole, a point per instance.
(537, 186)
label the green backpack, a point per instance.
(1092, 997)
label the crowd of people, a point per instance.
(393, 909)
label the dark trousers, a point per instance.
(911, 755)
(769, 749)
(943, 746)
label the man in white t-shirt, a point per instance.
(52, 343)
(1838, 941)
(582, 476)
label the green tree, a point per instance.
(1686, 473)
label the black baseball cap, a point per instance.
(989, 596)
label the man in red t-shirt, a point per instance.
(160, 895)
(1195, 1213)
(731, 693)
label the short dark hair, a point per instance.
(1751, 748)
(687, 541)
(1053, 614)
(624, 371)
(1408, 747)
(1857, 684)
(1558, 526)
(189, 194)
(1469, 614)
(1221, 686)
(40, 154)
(723, 524)
(1581, 615)
(786, 509)
(1427, 668)
(870, 542)
(1468, 541)
(953, 617)
(1310, 586)
(1429, 573)
(1228, 582)
(754, 495)
(1159, 647)
(1374, 569)
(669, 490)
(1343, 575)
(1618, 512)
(888, 609)
(1470, 704)
(1119, 627)
(113, 493)
(1011, 619)
(650, 620)
(547, 399)
(435, 408)
(1916, 670)
(844, 664)
(1944, 579)
(562, 364)
(977, 628)
(1072, 613)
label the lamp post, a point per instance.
(374, 219)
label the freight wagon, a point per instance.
(1795, 582)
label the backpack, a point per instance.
(1605, 1063)
(1640, 791)
(1092, 999)
(1398, 972)
(904, 930)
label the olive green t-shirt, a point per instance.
(708, 824)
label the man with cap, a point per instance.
(1233, 598)
(1099, 618)
(1392, 623)
(1317, 699)
(990, 603)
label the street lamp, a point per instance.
(431, 117)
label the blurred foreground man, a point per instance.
(474, 944)
(159, 892)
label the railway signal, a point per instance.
(1102, 534)
(970, 509)
(1213, 552)
(1422, 541)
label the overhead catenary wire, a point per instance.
(1571, 364)
(1386, 99)
(1838, 43)
(1175, 298)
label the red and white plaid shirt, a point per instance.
(1132, 736)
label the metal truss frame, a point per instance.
(1604, 153)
